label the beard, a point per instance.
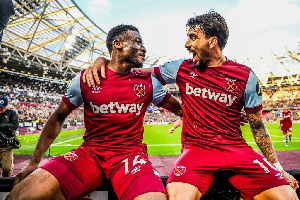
(201, 65)
(137, 65)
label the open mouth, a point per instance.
(142, 56)
(195, 56)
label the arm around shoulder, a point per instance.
(90, 76)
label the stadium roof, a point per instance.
(52, 36)
(276, 69)
(55, 39)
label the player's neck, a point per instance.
(217, 61)
(119, 67)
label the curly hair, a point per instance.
(117, 32)
(211, 24)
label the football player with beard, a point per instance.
(214, 90)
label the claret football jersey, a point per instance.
(212, 100)
(114, 110)
(287, 118)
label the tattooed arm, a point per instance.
(264, 142)
(262, 136)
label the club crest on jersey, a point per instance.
(179, 170)
(139, 90)
(230, 84)
(70, 156)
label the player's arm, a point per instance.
(261, 136)
(162, 98)
(265, 144)
(166, 73)
(173, 105)
(176, 125)
(53, 126)
(253, 108)
(51, 130)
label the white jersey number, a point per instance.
(263, 166)
(135, 161)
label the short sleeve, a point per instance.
(159, 93)
(253, 94)
(73, 97)
(167, 72)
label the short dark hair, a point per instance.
(211, 24)
(117, 32)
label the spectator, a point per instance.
(9, 123)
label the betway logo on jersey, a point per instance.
(208, 94)
(115, 107)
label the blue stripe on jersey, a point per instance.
(169, 70)
(253, 97)
(73, 93)
(159, 92)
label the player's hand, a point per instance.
(291, 180)
(171, 130)
(91, 73)
(28, 169)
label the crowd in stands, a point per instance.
(36, 98)
(29, 89)
(277, 97)
(274, 98)
(155, 115)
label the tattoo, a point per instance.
(262, 136)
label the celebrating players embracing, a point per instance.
(214, 90)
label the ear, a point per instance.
(213, 42)
(117, 44)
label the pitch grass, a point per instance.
(158, 139)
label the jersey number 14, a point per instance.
(134, 162)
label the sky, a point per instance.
(256, 27)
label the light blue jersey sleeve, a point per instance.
(253, 94)
(159, 92)
(168, 71)
(73, 93)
